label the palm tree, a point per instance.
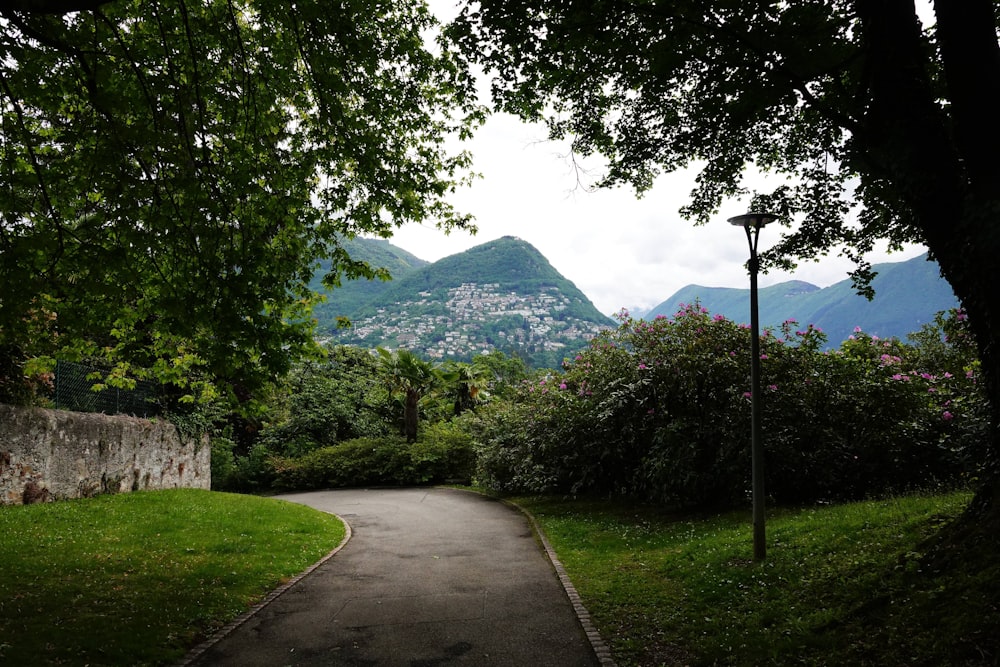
(467, 384)
(410, 378)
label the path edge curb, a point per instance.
(228, 628)
(601, 649)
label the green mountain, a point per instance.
(352, 295)
(907, 295)
(500, 295)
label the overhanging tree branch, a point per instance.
(52, 7)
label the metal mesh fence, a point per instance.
(73, 391)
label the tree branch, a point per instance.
(53, 7)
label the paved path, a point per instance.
(430, 577)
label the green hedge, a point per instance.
(442, 454)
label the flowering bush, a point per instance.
(660, 410)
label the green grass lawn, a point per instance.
(140, 578)
(841, 585)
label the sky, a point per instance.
(620, 250)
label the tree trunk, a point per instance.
(411, 413)
(971, 58)
(944, 167)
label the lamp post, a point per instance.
(751, 223)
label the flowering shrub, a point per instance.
(660, 410)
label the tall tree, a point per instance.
(410, 378)
(323, 402)
(172, 170)
(884, 128)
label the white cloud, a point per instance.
(620, 250)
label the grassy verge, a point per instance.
(841, 585)
(140, 578)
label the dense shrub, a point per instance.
(337, 398)
(443, 454)
(223, 463)
(331, 423)
(661, 410)
(251, 472)
(447, 448)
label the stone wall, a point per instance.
(53, 455)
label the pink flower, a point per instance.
(947, 416)
(643, 367)
(763, 356)
(719, 318)
(747, 394)
(562, 385)
(772, 387)
(857, 329)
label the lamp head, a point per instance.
(756, 220)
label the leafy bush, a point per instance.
(506, 458)
(337, 398)
(447, 451)
(660, 410)
(223, 463)
(443, 454)
(251, 473)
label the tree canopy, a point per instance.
(825, 92)
(884, 127)
(172, 171)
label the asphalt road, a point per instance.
(429, 577)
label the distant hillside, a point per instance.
(353, 295)
(907, 296)
(500, 295)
